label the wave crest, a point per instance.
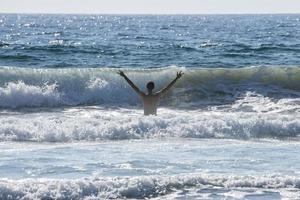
(21, 87)
(19, 94)
(137, 187)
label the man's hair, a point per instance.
(150, 85)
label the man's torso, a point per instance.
(150, 103)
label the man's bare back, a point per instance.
(150, 100)
(150, 103)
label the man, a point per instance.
(150, 100)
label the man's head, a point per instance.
(150, 86)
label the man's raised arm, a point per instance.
(136, 89)
(164, 90)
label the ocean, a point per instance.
(71, 127)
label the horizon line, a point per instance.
(70, 13)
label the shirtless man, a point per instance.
(150, 100)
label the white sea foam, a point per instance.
(98, 123)
(217, 103)
(139, 187)
(19, 94)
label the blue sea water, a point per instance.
(83, 41)
(71, 128)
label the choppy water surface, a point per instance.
(149, 41)
(71, 128)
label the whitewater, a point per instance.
(80, 133)
(72, 128)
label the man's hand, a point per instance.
(179, 74)
(121, 73)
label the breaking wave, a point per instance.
(27, 87)
(97, 123)
(63, 105)
(138, 187)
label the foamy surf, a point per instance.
(167, 168)
(63, 105)
(152, 186)
(262, 119)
